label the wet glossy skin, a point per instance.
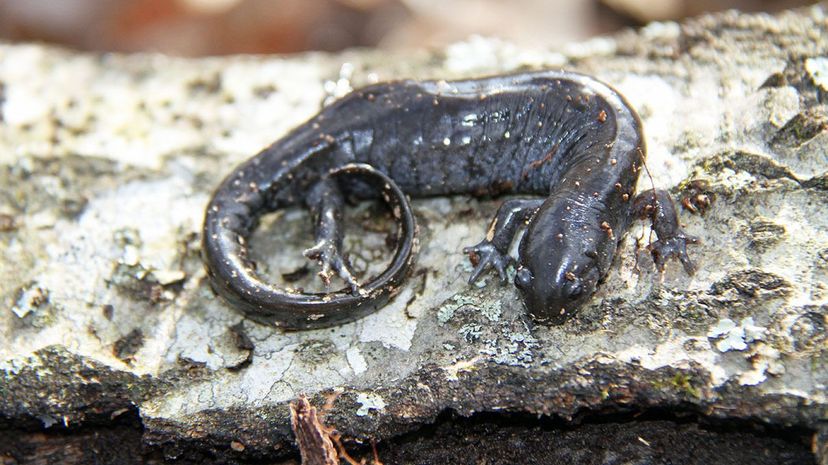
(561, 135)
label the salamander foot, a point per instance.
(332, 262)
(663, 250)
(484, 254)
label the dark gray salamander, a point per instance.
(561, 135)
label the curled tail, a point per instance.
(232, 275)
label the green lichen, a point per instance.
(316, 351)
(470, 332)
(752, 163)
(800, 129)
(681, 382)
(491, 310)
(446, 311)
(512, 348)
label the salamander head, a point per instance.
(560, 265)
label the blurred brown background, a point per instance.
(215, 27)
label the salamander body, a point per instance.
(564, 136)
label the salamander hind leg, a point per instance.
(656, 205)
(327, 204)
(493, 250)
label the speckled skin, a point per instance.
(561, 135)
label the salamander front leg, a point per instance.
(327, 204)
(494, 249)
(657, 205)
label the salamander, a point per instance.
(570, 143)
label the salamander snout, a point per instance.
(553, 301)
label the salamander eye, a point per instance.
(523, 278)
(574, 291)
(591, 254)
